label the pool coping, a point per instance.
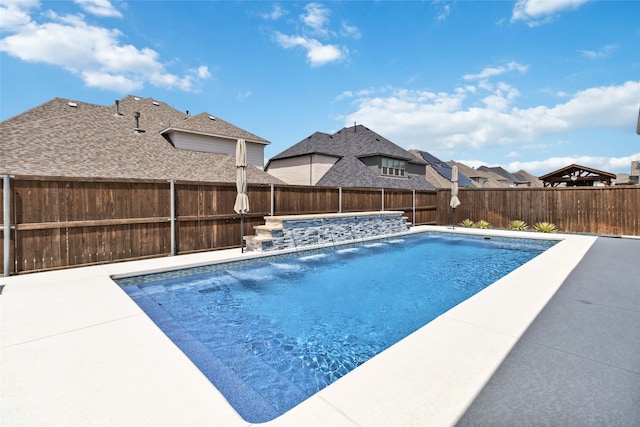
(76, 351)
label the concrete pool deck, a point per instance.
(547, 344)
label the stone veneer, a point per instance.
(298, 231)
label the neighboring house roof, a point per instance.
(70, 138)
(443, 170)
(483, 179)
(350, 145)
(577, 175)
(535, 182)
(508, 177)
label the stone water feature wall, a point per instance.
(298, 231)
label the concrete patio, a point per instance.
(556, 342)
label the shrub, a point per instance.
(466, 223)
(518, 224)
(545, 227)
(481, 224)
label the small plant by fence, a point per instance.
(52, 222)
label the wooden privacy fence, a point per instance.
(52, 222)
(612, 210)
(55, 222)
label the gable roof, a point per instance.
(350, 146)
(442, 169)
(577, 173)
(63, 137)
(535, 182)
(507, 176)
(206, 124)
(492, 180)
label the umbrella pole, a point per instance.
(453, 218)
(241, 233)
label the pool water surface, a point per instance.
(272, 332)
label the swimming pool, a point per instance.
(271, 332)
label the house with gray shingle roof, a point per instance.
(438, 172)
(480, 178)
(137, 138)
(511, 180)
(352, 157)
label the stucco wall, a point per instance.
(302, 170)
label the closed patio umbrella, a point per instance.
(455, 202)
(242, 200)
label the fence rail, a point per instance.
(57, 222)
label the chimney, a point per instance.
(117, 108)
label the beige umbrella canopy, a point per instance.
(242, 200)
(455, 202)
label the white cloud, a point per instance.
(496, 71)
(316, 20)
(317, 53)
(350, 31)
(118, 83)
(102, 8)
(536, 12)
(15, 14)
(316, 17)
(602, 53)
(276, 13)
(94, 53)
(441, 121)
(607, 164)
(444, 13)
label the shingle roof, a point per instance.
(508, 176)
(535, 182)
(350, 145)
(490, 177)
(443, 169)
(71, 138)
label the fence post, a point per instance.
(339, 199)
(172, 191)
(413, 220)
(382, 192)
(6, 225)
(273, 200)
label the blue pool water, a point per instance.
(271, 332)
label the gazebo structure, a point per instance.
(577, 176)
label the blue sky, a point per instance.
(527, 84)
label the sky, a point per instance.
(528, 84)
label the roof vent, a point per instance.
(118, 108)
(155, 103)
(136, 115)
(72, 104)
(136, 98)
(211, 118)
